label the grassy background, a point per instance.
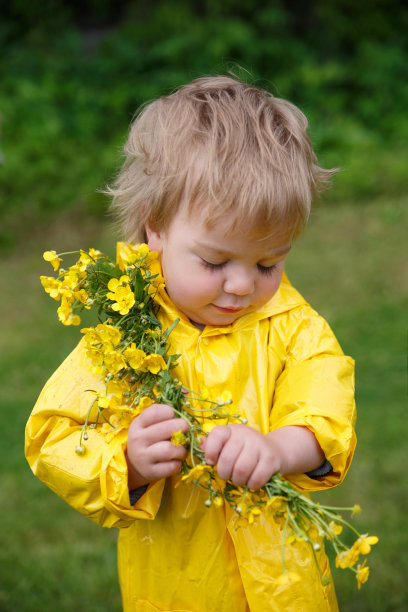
(350, 264)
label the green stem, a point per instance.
(283, 542)
(85, 425)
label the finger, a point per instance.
(214, 443)
(244, 466)
(228, 457)
(260, 474)
(164, 430)
(155, 414)
(164, 469)
(166, 451)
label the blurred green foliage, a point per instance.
(72, 75)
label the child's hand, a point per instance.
(242, 455)
(150, 454)
(247, 457)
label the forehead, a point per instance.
(227, 235)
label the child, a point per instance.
(218, 179)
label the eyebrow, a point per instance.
(225, 252)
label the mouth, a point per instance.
(227, 310)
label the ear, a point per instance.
(154, 239)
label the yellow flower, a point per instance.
(199, 472)
(143, 403)
(109, 334)
(157, 283)
(134, 356)
(72, 278)
(109, 401)
(217, 482)
(252, 514)
(275, 504)
(347, 558)
(364, 543)
(81, 296)
(335, 528)
(95, 355)
(121, 294)
(94, 253)
(103, 402)
(65, 313)
(293, 538)
(218, 501)
(246, 506)
(116, 387)
(127, 254)
(52, 286)
(156, 391)
(91, 336)
(363, 571)
(154, 363)
(178, 438)
(122, 419)
(87, 258)
(114, 362)
(53, 258)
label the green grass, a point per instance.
(351, 265)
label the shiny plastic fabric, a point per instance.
(283, 366)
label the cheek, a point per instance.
(194, 287)
(270, 286)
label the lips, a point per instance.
(227, 310)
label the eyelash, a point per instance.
(265, 270)
(211, 266)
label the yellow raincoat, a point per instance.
(283, 367)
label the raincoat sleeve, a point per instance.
(316, 390)
(95, 483)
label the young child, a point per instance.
(218, 178)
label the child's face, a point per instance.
(214, 276)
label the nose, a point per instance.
(239, 281)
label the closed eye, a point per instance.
(212, 266)
(266, 270)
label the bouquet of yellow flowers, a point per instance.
(129, 350)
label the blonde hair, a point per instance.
(230, 149)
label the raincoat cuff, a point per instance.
(337, 441)
(115, 491)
